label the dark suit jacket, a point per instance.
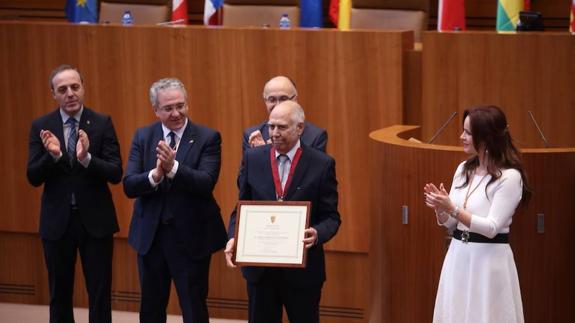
(313, 180)
(90, 185)
(312, 136)
(188, 197)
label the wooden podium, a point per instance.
(408, 246)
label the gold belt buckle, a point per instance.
(465, 236)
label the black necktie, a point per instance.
(172, 136)
(72, 140)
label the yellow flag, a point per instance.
(344, 14)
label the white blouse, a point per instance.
(491, 212)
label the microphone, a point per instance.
(169, 23)
(436, 134)
(538, 129)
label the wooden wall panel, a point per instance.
(338, 90)
(520, 73)
(412, 86)
(22, 275)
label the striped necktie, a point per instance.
(72, 139)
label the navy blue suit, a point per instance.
(299, 289)
(89, 224)
(181, 248)
(312, 136)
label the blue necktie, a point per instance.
(72, 140)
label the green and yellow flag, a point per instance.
(508, 14)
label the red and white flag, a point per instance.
(451, 15)
(180, 11)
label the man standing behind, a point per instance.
(173, 167)
(74, 152)
(276, 91)
(312, 178)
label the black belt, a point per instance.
(467, 236)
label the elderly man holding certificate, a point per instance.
(288, 202)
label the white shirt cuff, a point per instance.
(56, 157)
(151, 178)
(86, 161)
(173, 171)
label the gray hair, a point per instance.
(163, 84)
(298, 115)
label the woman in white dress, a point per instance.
(479, 280)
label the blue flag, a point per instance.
(311, 13)
(82, 10)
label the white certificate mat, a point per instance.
(271, 233)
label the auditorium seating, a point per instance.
(143, 14)
(259, 12)
(390, 14)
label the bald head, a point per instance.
(286, 124)
(277, 90)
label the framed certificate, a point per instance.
(271, 233)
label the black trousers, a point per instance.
(271, 292)
(96, 257)
(168, 259)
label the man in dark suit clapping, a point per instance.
(74, 152)
(276, 91)
(172, 170)
(312, 178)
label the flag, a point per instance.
(213, 12)
(311, 13)
(334, 11)
(572, 24)
(344, 15)
(82, 10)
(180, 11)
(451, 15)
(508, 14)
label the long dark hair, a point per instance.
(489, 128)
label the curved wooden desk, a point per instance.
(407, 258)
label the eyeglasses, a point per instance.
(170, 108)
(64, 88)
(278, 99)
(279, 127)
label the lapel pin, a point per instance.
(88, 122)
(191, 141)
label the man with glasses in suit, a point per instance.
(276, 91)
(176, 225)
